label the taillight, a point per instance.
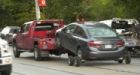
(120, 43)
(95, 44)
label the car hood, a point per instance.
(3, 42)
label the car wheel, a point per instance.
(128, 58)
(120, 61)
(16, 51)
(37, 56)
(58, 43)
(77, 61)
(77, 58)
(6, 72)
(70, 60)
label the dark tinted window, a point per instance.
(80, 32)
(14, 30)
(45, 26)
(120, 25)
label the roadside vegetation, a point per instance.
(15, 12)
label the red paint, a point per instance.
(45, 39)
(42, 3)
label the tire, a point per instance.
(70, 60)
(77, 61)
(58, 42)
(128, 58)
(16, 51)
(77, 58)
(37, 55)
(6, 72)
(120, 61)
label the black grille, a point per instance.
(0, 54)
(0, 61)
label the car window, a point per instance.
(80, 32)
(70, 29)
(26, 27)
(120, 25)
(101, 32)
(44, 26)
(14, 30)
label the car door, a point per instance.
(27, 40)
(19, 39)
(77, 38)
(66, 36)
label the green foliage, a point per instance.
(15, 12)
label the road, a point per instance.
(57, 65)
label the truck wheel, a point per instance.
(6, 72)
(70, 60)
(16, 51)
(36, 53)
(77, 58)
(128, 58)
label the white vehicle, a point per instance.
(9, 32)
(127, 28)
(5, 58)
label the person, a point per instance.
(80, 18)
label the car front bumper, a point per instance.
(5, 67)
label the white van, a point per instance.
(5, 58)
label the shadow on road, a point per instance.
(62, 60)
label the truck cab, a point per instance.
(37, 37)
(5, 58)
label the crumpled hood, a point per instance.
(2, 42)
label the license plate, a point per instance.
(108, 46)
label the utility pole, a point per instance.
(37, 10)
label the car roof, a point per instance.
(89, 23)
(48, 20)
(28, 22)
(11, 27)
(84, 23)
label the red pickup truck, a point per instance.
(37, 37)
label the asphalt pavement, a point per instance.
(57, 65)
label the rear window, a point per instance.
(120, 25)
(45, 26)
(101, 32)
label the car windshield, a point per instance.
(101, 32)
(45, 26)
(14, 30)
